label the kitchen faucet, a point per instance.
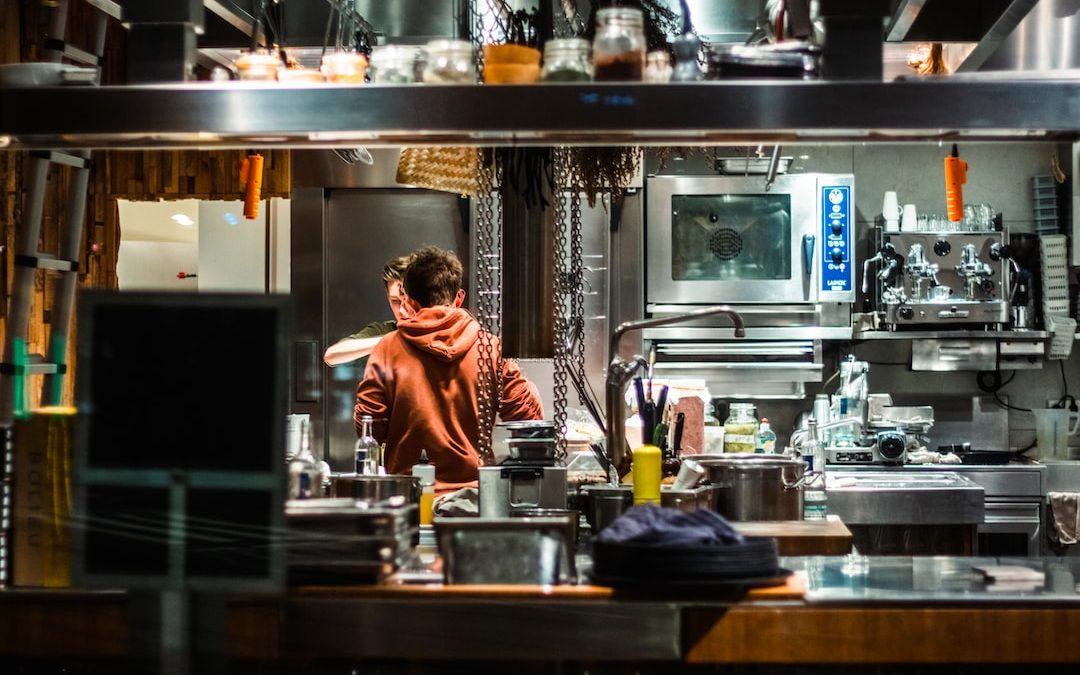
(619, 371)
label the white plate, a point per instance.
(43, 74)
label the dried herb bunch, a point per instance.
(603, 169)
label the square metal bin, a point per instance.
(508, 550)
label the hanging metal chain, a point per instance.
(488, 300)
(561, 304)
(570, 292)
(577, 291)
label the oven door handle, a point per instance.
(808, 241)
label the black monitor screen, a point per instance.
(184, 381)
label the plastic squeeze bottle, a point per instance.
(647, 472)
(955, 177)
(425, 471)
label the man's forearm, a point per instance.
(349, 350)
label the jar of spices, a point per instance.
(619, 45)
(449, 62)
(567, 61)
(740, 428)
(393, 64)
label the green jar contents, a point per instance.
(740, 428)
(567, 61)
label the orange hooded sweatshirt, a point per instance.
(420, 386)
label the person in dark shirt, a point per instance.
(359, 344)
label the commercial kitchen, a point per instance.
(796, 291)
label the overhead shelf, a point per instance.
(241, 114)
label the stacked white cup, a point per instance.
(890, 210)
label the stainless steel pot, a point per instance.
(375, 488)
(756, 487)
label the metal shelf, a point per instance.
(243, 114)
(1016, 335)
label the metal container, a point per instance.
(756, 487)
(605, 503)
(375, 488)
(507, 550)
(694, 499)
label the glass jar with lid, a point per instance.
(619, 45)
(449, 62)
(567, 61)
(740, 428)
(393, 64)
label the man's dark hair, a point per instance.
(394, 269)
(433, 277)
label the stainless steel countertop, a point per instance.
(246, 114)
(997, 480)
(904, 498)
(950, 580)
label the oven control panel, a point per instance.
(836, 255)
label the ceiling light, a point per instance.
(183, 219)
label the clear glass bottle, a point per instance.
(766, 438)
(740, 428)
(449, 62)
(815, 498)
(619, 45)
(567, 61)
(367, 449)
(304, 479)
(815, 505)
(393, 64)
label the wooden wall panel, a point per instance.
(127, 174)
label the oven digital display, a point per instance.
(731, 237)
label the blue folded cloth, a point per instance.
(659, 526)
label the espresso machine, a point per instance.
(941, 278)
(531, 477)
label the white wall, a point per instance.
(232, 249)
(210, 239)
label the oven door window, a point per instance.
(731, 237)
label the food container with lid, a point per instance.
(619, 45)
(393, 64)
(567, 60)
(257, 66)
(345, 67)
(449, 62)
(740, 428)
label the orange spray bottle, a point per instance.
(955, 177)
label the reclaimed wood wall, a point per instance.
(124, 174)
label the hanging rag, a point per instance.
(1064, 514)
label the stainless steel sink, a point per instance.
(1062, 475)
(901, 498)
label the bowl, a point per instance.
(511, 73)
(511, 54)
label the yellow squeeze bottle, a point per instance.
(425, 471)
(647, 473)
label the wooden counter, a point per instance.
(803, 537)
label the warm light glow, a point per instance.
(182, 219)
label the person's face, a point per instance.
(395, 296)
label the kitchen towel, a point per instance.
(1064, 518)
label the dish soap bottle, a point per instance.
(766, 438)
(425, 471)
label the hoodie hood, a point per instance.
(444, 332)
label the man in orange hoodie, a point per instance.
(420, 385)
